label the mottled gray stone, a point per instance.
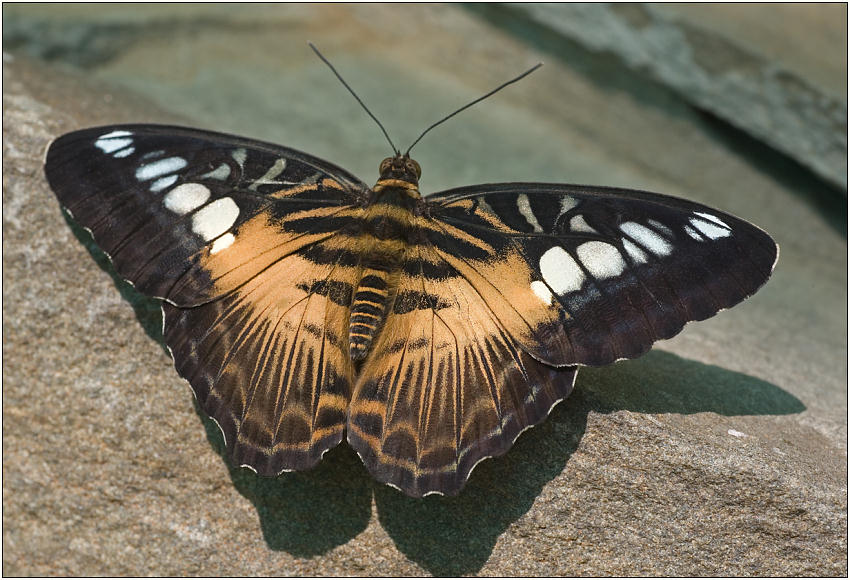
(778, 72)
(722, 452)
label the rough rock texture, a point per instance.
(722, 452)
(778, 72)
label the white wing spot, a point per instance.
(113, 141)
(524, 207)
(114, 134)
(647, 238)
(542, 292)
(709, 229)
(560, 270)
(160, 168)
(713, 218)
(271, 174)
(601, 260)
(126, 152)
(111, 145)
(567, 203)
(634, 252)
(153, 154)
(578, 224)
(186, 197)
(240, 155)
(661, 227)
(221, 172)
(694, 234)
(222, 243)
(162, 183)
(214, 219)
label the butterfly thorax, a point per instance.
(388, 222)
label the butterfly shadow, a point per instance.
(304, 513)
(455, 536)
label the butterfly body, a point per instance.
(387, 227)
(304, 307)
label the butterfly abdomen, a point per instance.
(368, 311)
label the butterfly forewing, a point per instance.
(167, 203)
(618, 269)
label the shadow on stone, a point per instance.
(611, 74)
(603, 68)
(827, 199)
(305, 513)
(661, 382)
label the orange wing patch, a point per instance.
(256, 245)
(525, 306)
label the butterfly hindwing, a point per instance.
(270, 363)
(446, 384)
(618, 269)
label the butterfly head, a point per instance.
(401, 168)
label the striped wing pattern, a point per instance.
(269, 362)
(301, 304)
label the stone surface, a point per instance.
(722, 452)
(778, 72)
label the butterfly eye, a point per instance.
(412, 165)
(385, 165)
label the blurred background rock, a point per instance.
(723, 452)
(777, 72)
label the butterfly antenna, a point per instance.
(350, 90)
(478, 100)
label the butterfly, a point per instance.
(304, 306)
